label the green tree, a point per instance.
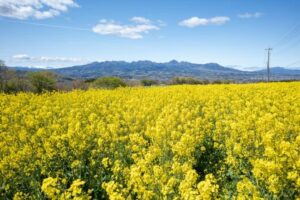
(148, 82)
(42, 81)
(108, 82)
(187, 80)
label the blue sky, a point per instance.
(58, 33)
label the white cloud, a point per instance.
(193, 22)
(21, 57)
(38, 9)
(58, 59)
(250, 15)
(25, 57)
(141, 20)
(46, 14)
(196, 21)
(133, 31)
(219, 20)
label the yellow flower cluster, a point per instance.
(54, 190)
(176, 142)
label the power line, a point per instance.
(293, 63)
(289, 46)
(288, 36)
(288, 42)
(289, 39)
(46, 25)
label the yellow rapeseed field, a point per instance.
(176, 142)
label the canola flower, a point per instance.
(178, 142)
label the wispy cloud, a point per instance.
(38, 9)
(196, 21)
(250, 15)
(25, 57)
(141, 20)
(21, 57)
(137, 30)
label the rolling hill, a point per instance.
(168, 70)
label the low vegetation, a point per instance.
(177, 142)
(42, 81)
(108, 83)
(149, 82)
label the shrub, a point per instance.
(187, 80)
(148, 82)
(108, 82)
(42, 81)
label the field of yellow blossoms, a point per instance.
(175, 142)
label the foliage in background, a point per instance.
(149, 82)
(187, 80)
(108, 82)
(10, 82)
(42, 81)
(195, 81)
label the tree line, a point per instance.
(47, 81)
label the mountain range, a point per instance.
(166, 71)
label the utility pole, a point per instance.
(268, 63)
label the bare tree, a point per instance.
(3, 75)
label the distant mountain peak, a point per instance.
(214, 65)
(173, 62)
(165, 71)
